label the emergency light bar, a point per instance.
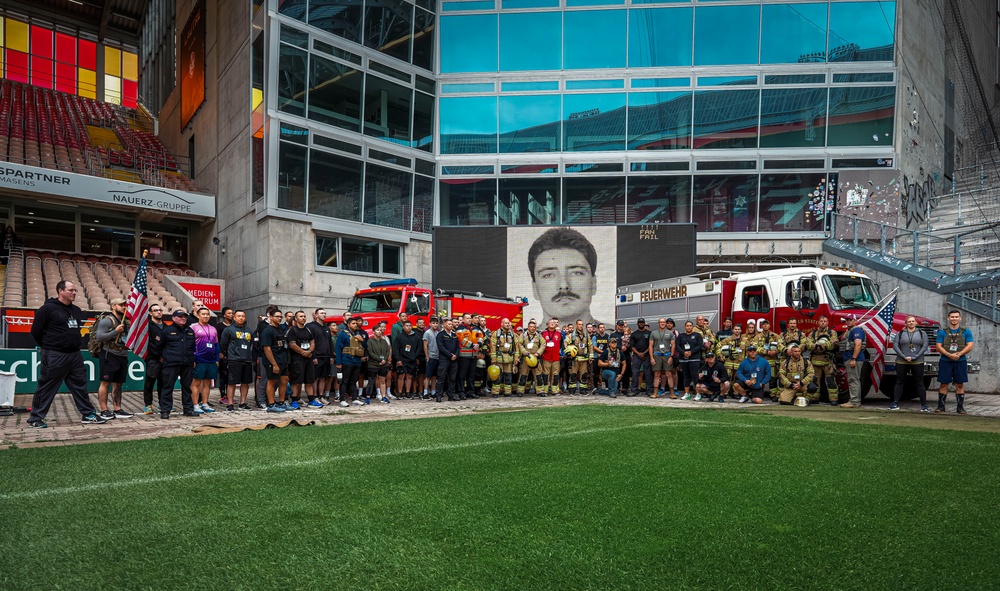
(392, 282)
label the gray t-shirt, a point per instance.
(662, 340)
(430, 337)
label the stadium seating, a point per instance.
(42, 127)
(99, 279)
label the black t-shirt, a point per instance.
(301, 337)
(640, 340)
(602, 341)
(274, 337)
(606, 356)
(323, 339)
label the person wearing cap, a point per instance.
(854, 360)
(713, 379)
(431, 353)
(752, 376)
(619, 335)
(771, 347)
(598, 345)
(690, 346)
(726, 331)
(111, 331)
(612, 369)
(642, 353)
(663, 348)
(530, 343)
(178, 363)
(797, 377)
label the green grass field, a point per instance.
(569, 498)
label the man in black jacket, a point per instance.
(322, 355)
(236, 346)
(713, 379)
(447, 342)
(406, 346)
(154, 350)
(178, 362)
(56, 330)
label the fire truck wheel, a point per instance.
(888, 385)
(866, 380)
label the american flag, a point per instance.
(879, 327)
(137, 313)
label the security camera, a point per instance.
(215, 240)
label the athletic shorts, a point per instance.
(322, 367)
(407, 369)
(660, 363)
(421, 365)
(240, 372)
(378, 371)
(113, 368)
(273, 376)
(205, 371)
(432, 368)
(301, 370)
(953, 372)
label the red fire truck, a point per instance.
(386, 300)
(804, 293)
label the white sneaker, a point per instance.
(359, 402)
(686, 397)
(743, 399)
(344, 404)
(697, 398)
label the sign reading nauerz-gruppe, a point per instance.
(105, 191)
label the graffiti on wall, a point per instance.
(919, 198)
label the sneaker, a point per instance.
(94, 419)
(721, 398)
(697, 397)
(107, 415)
(121, 413)
(294, 405)
(230, 408)
(148, 410)
(244, 407)
(924, 409)
(357, 402)
(743, 399)
(686, 397)
(344, 403)
(224, 400)
(893, 406)
(197, 411)
(391, 397)
(39, 424)
(275, 408)
(315, 404)
(385, 400)
(368, 400)
(207, 408)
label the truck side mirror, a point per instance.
(797, 295)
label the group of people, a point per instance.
(460, 358)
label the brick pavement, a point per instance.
(65, 428)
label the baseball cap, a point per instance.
(765, 321)
(709, 354)
(116, 301)
(642, 320)
(751, 347)
(671, 320)
(179, 312)
(619, 323)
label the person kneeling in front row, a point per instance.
(752, 377)
(796, 377)
(713, 380)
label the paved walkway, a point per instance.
(65, 428)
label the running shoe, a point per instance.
(315, 404)
(344, 404)
(121, 413)
(206, 408)
(294, 405)
(148, 410)
(94, 419)
(39, 424)
(275, 408)
(107, 415)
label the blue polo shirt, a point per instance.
(856, 333)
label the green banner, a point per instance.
(26, 363)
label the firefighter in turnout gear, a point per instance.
(579, 365)
(530, 343)
(505, 353)
(796, 377)
(731, 351)
(708, 338)
(771, 347)
(794, 336)
(823, 342)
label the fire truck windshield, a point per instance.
(383, 301)
(850, 291)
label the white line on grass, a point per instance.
(97, 486)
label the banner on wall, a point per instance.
(192, 64)
(210, 294)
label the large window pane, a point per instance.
(594, 200)
(528, 201)
(388, 27)
(423, 121)
(649, 28)
(594, 39)
(658, 199)
(792, 201)
(469, 125)
(659, 120)
(423, 39)
(36, 233)
(326, 251)
(862, 31)
(861, 116)
(530, 41)
(360, 256)
(293, 8)
(387, 196)
(292, 70)
(469, 43)
(468, 202)
(793, 33)
(392, 263)
(725, 203)
(726, 118)
(593, 122)
(98, 239)
(387, 110)
(529, 123)
(793, 117)
(291, 176)
(335, 93)
(340, 17)
(423, 204)
(726, 35)
(334, 186)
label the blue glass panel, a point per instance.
(659, 120)
(592, 2)
(594, 200)
(593, 122)
(483, 169)
(469, 43)
(863, 77)
(530, 41)
(861, 116)
(726, 118)
(528, 201)
(793, 117)
(658, 199)
(725, 203)
(529, 123)
(529, 4)
(726, 80)
(726, 35)
(468, 202)
(648, 30)
(593, 84)
(793, 33)
(795, 79)
(523, 86)
(468, 87)
(477, 5)
(469, 125)
(388, 196)
(661, 1)
(594, 39)
(793, 202)
(660, 82)
(862, 31)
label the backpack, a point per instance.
(93, 345)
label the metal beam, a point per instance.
(102, 29)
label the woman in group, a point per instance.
(206, 359)
(910, 345)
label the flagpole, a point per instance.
(145, 252)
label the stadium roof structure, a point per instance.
(120, 20)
